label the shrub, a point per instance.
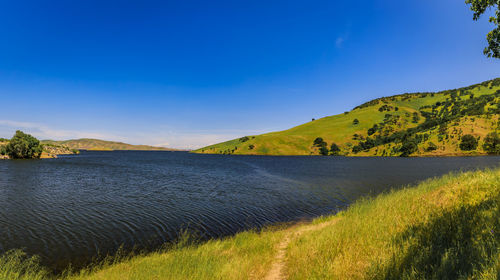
(355, 122)
(334, 149)
(431, 147)
(408, 148)
(492, 144)
(251, 147)
(323, 151)
(244, 139)
(23, 146)
(468, 143)
(318, 142)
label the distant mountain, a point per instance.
(416, 124)
(102, 145)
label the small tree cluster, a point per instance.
(468, 143)
(492, 144)
(23, 146)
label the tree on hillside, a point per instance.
(23, 146)
(492, 143)
(409, 147)
(355, 122)
(323, 150)
(468, 143)
(319, 142)
(479, 7)
(334, 149)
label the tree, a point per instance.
(468, 143)
(431, 147)
(409, 147)
(492, 143)
(355, 121)
(323, 150)
(318, 142)
(23, 146)
(493, 37)
(251, 146)
(334, 149)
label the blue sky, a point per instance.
(190, 73)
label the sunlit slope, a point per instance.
(101, 145)
(474, 109)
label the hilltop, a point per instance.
(452, 122)
(102, 145)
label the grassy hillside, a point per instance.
(417, 124)
(444, 228)
(102, 145)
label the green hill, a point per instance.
(102, 145)
(416, 124)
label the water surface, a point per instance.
(72, 208)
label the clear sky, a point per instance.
(189, 73)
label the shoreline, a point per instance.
(283, 249)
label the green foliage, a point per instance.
(23, 146)
(3, 150)
(493, 37)
(251, 147)
(431, 147)
(16, 265)
(409, 147)
(355, 122)
(492, 144)
(318, 142)
(468, 143)
(244, 139)
(323, 150)
(334, 149)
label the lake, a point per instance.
(70, 209)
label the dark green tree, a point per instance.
(479, 7)
(355, 122)
(319, 142)
(23, 146)
(323, 150)
(409, 147)
(431, 147)
(334, 149)
(468, 143)
(492, 143)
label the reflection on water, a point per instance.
(71, 208)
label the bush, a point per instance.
(3, 150)
(23, 146)
(319, 142)
(468, 143)
(408, 148)
(323, 151)
(334, 149)
(355, 122)
(431, 147)
(250, 147)
(492, 144)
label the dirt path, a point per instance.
(278, 267)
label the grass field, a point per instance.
(340, 129)
(443, 228)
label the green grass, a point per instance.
(446, 228)
(443, 228)
(340, 129)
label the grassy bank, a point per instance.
(444, 228)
